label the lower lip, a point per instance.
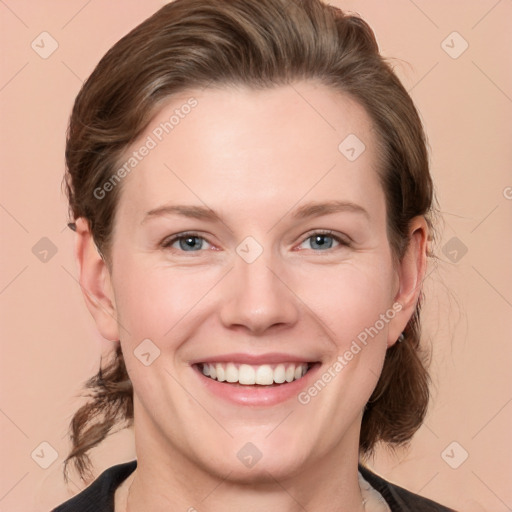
(257, 395)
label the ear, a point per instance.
(411, 272)
(95, 281)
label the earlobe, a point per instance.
(411, 273)
(95, 282)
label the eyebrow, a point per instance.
(191, 211)
(315, 209)
(311, 209)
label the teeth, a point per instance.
(264, 375)
(279, 374)
(231, 372)
(246, 374)
(221, 374)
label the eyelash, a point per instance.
(344, 242)
(168, 242)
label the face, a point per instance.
(250, 244)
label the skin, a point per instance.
(254, 157)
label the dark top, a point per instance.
(99, 496)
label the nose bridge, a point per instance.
(257, 298)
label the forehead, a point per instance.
(241, 145)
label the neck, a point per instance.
(229, 497)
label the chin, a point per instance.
(264, 472)
(255, 463)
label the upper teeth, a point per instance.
(264, 374)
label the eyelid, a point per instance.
(339, 237)
(168, 241)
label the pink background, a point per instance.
(49, 342)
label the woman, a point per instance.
(249, 185)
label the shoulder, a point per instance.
(99, 496)
(398, 498)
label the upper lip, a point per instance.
(255, 359)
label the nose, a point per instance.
(256, 297)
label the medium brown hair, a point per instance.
(261, 44)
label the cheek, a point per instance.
(153, 301)
(348, 299)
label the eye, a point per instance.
(323, 241)
(186, 242)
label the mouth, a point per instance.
(246, 375)
(255, 380)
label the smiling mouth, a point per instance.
(255, 375)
